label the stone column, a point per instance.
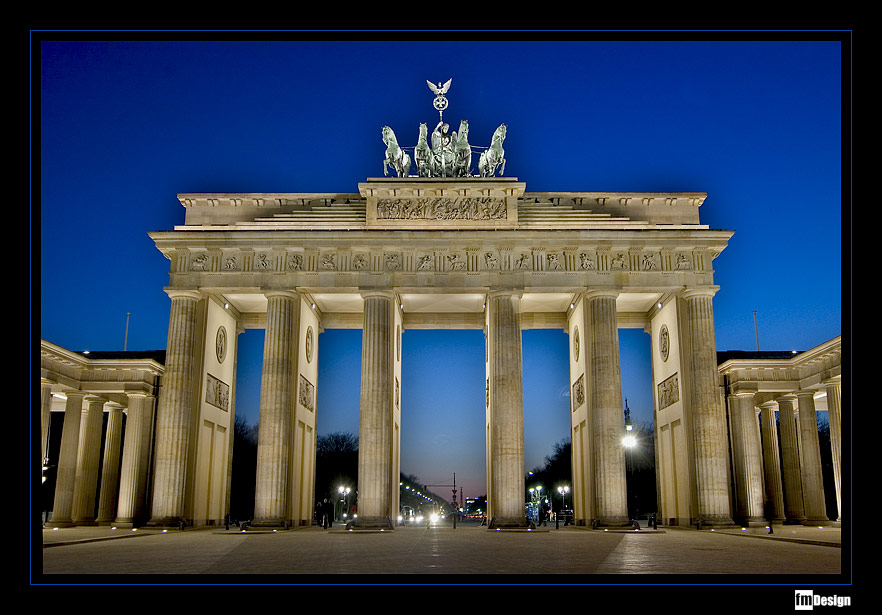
(834, 416)
(748, 460)
(606, 408)
(109, 494)
(277, 391)
(710, 442)
(794, 509)
(62, 508)
(810, 460)
(45, 413)
(173, 422)
(774, 499)
(377, 409)
(505, 367)
(135, 459)
(87, 462)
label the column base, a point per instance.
(614, 522)
(60, 523)
(269, 524)
(822, 522)
(383, 524)
(714, 522)
(508, 523)
(167, 523)
(754, 522)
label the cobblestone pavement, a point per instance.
(547, 555)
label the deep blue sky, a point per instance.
(122, 127)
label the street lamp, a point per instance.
(344, 493)
(563, 491)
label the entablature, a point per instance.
(809, 370)
(466, 203)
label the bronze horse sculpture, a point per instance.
(396, 157)
(494, 156)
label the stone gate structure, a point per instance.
(434, 253)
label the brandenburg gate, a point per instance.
(444, 248)
(434, 253)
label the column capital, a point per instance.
(592, 293)
(377, 292)
(742, 394)
(291, 294)
(505, 292)
(176, 293)
(700, 291)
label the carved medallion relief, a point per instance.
(220, 344)
(309, 344)
(664, 342)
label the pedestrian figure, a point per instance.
(327, 513)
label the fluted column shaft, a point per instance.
(377, 408)
(710, 444)
(507, 409)
(88, 456)
(794, 509)
(45, 412)
(109, 494)
(277, 391)
(774, 499)
(62, 508)
(748, 460)
(810, 460)
(602, 346)
(173, 423)
(135, 459)
(834, 416)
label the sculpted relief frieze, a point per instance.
(442, 208)
(668, 392)
(306, 394)
(470, 259)
(217, 392)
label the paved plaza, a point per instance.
(470, 553)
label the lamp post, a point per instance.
(629, 442)
(563, 491)
(344, 492)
